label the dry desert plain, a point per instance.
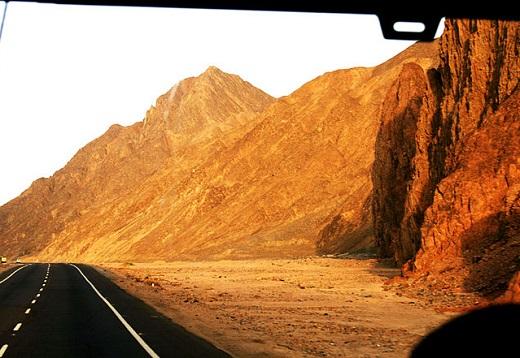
(310, 307)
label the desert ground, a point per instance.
(5, 267)
(310, 307)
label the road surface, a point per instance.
(64, 310)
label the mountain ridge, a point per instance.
(202, 150)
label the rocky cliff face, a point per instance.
(351, 228)
(401, 172)
(448, 197)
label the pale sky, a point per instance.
(69, 72)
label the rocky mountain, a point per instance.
(446, 175)
(114, 166)
(218, 169)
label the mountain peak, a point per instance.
(212, 70)
(215, 73)
(198, 103)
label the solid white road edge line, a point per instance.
(3, 349)
(134, 334)
(17, 327)
(8, 277)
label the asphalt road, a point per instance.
(63, 310)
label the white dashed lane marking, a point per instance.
(3, 349)
(16, 328)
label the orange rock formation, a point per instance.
(447, 178)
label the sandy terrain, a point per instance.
(5, 267)
(278, 308)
